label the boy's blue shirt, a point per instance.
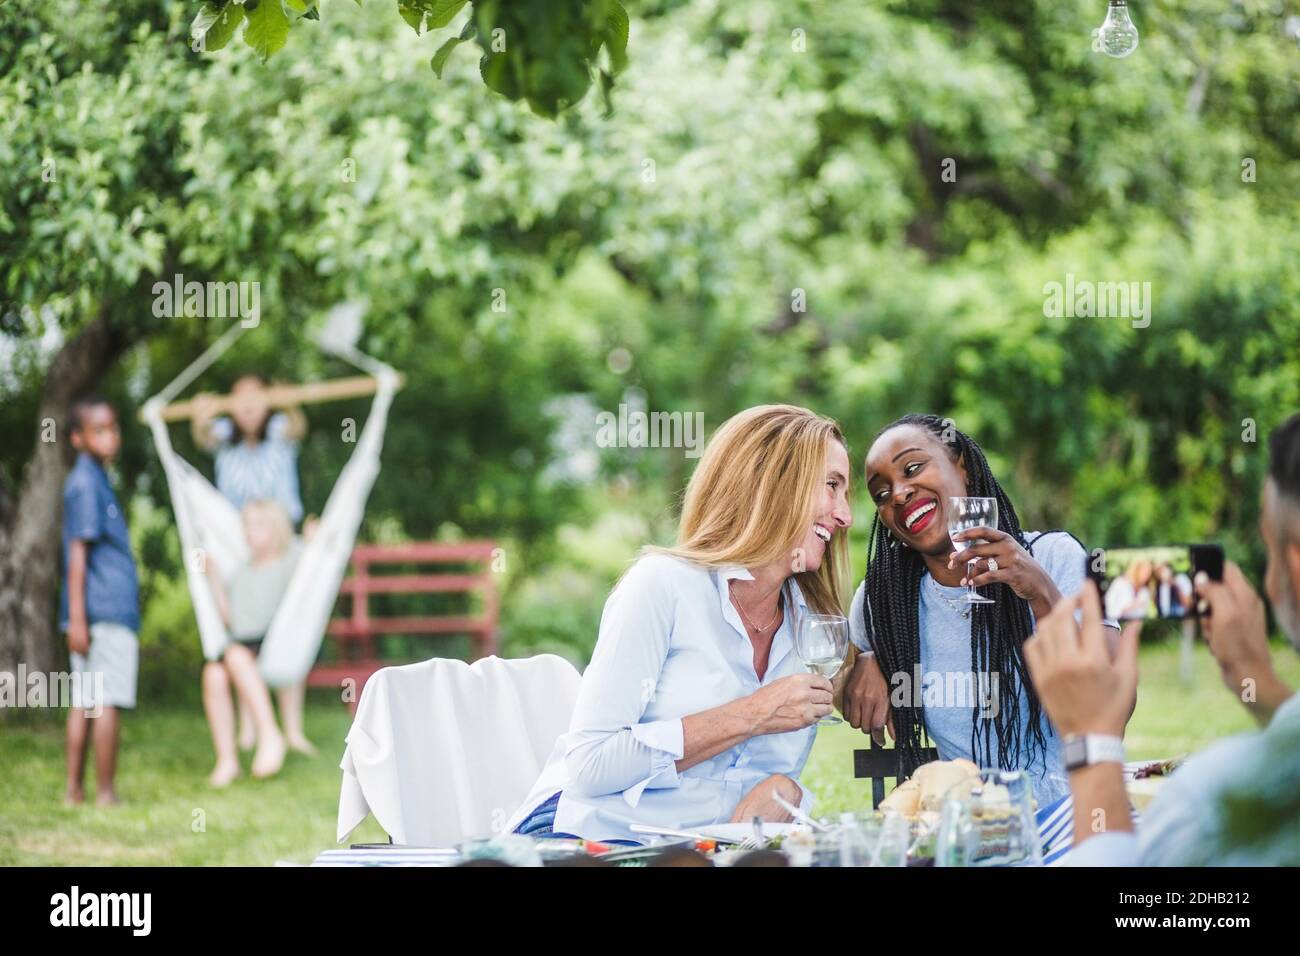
(92, 514)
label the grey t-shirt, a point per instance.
(951, 693)
(255, 593)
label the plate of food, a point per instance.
(739, 832)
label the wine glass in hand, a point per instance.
(963, 515)
(821, 641)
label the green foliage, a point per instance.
(745, 163)
(542, 52)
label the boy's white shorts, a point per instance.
(106, 676)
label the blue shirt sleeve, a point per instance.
(1064, 560)
(857, 621)
(83, 518)
(610, 748)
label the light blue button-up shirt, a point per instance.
(671, 644)
(1184, 824)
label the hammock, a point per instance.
(211, 529)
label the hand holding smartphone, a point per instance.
(1153, 583)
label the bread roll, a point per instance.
(939, 777)
(905, 798)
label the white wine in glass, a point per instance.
(965, 514)
(821, 641)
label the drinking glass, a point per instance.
(821, 641)
(963, 515)
(990, 821)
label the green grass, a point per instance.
(171, 816)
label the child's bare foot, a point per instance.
(269, 757)
(302, 745)
(107, 798)
(73, 798)
(247, 738)
(223, 775)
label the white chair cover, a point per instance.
(442, 751)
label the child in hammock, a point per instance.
(247, 601)
(256, 452)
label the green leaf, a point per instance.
(299, 6)
(413, 15)
(268, 27)
(616, 31)
(442, 12)
(443, 52)
(495, 69)
(215, 24)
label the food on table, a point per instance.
(939, 777)
(1160, 768)
(906, 798)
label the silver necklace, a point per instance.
(960, 607)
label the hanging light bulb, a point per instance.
(1117, 37)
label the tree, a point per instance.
(113, 178)
(544, 52)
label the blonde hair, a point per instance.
(754, 495)
(275, 515)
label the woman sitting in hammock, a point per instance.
(247, 602)
(256, 453)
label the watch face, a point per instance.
(1074, 752)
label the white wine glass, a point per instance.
(821, 641)
(965, 514)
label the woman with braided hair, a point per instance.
(957, 670)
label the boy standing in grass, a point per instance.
(100, 607)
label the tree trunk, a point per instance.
(31, 527)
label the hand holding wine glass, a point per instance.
(821, 641)
(965, 514)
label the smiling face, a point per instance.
(831, 511)
(910, 477)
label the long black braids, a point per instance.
(998, 630)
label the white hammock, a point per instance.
(211, 530)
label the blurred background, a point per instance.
(851, 206)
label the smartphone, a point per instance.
(1153, 583)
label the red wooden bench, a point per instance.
(355, 633)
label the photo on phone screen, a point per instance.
(1153, 583)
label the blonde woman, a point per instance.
(247, 601)
(695, 708)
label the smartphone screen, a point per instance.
(1153, 583)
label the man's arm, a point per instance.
(1100, 801)
(1236, 631)
(1086, 690)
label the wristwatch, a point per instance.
(1084, 750)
